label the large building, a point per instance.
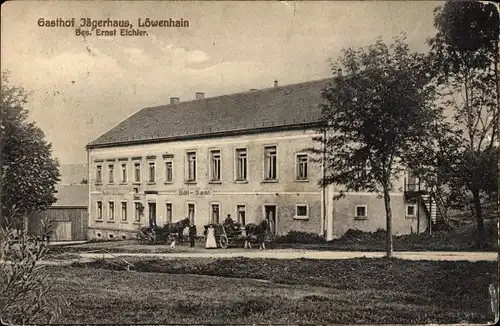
(242, 154)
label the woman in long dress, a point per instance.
(211, 243)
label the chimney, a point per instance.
(275, 83)
(200, 95)
(174, 100)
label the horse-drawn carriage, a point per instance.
(226, 235)
(238, 235)
(162, 235)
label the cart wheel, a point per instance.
(223, 241)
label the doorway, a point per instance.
(270, 214)
(152, 214)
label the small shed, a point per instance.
(68, 216)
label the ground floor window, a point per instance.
(168, 212)
(411, 210)
(137, 211)
(191, 212)
(215, 214)
(99, 210)
(111, 215)
(241, 214)
(124, 211)
(301, 211)
(361, 212)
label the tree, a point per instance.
(378, 118)
(464, 54)
(29, 173)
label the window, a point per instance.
(191, 212)
(99, 210)
(364, 170)
(111, 215)
(410, 210)
(137, 172)
(168, 212)
(98, 174)
(215, 214)
(124, 211)
(361, 211)
(270, 163)
(302, 167)
(215, 165)
(301, 211)
(111, 169)
(191, 167)
(137, 212)
(124, 172)
(241, 164)
(152, 172)
(169, 171)
(240, 214)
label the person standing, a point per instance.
(211, 243)
(192, 234)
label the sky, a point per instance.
(83, 86)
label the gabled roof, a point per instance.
(74, 195)
(285, 106)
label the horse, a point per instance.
(257, 231)
(177, 227)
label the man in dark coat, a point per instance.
(192, 234)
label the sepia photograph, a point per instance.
(249, 162)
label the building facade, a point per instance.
(243, 155)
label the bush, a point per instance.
(300, 237)
(24, 284)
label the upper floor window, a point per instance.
(169, 170)
(191, 166)
(98, 174)
(364, 170)
(137, 172)
(270, 162)
(124, 172)
(302, 168)
(215, 165)
(241, 164)
(111, 170)
(152, 172)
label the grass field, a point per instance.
(274, 291)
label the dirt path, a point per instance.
(297, 254)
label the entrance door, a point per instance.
(270, 214)
(152, 214)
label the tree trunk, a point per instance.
(479, 219)
(388, 212)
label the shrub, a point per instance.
(24, 284)
(300, 237)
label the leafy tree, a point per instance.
(464, 54)
(378, 118)
(29, 173)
